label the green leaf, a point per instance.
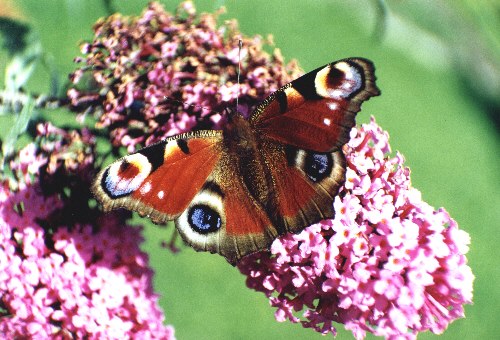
(19, 127)
(14, 35)
(25, 50)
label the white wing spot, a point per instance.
(332, 106)
(327, 121)
(161, 194)
(146, 188)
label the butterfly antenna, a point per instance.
(240, 46)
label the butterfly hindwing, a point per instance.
(224, 218)
(305, 184)
(317, 111)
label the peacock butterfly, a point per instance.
(234, 191)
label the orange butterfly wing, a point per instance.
(159, 181)
(317, 111)
(301, 129)
(305, 184)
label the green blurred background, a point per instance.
(438, 68)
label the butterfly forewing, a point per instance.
(161, 180)
(317, 111)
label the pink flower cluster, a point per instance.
(388, 263)
(64, 274)
(160, 74)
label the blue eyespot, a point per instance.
(204, 219)
(318, 166)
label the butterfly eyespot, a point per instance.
(341, 80)
(124, 177)
(318, 166)
(204, 219)
(204, 216)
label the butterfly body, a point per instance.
(234, 191)
(242, 146)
